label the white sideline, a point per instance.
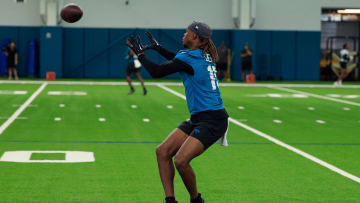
(282, 144)
(173, 84)
(21, 108)
(315, 95)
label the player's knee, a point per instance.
(161, 152)
(180, 163)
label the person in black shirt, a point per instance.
(221, 64)
(246, 60)
(12, 54)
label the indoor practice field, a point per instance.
(287, 142)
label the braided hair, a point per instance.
(207, 45)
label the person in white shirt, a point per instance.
(345, 58)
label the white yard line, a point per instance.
(280, 143)
(21, 108)
(315, 95)
(174, 84)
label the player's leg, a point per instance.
(191, 148)
(10, 73)
(15, 74)
(164, 153)
(128, 79)
(138, 75)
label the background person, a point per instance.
(134, 67)
(246, 56)
(12, 55)
(222, 63)
(344, 61)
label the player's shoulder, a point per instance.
(187, 54)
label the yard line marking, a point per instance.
(19, 118)
(241, 107)
(16, 92)
(320, 121)
(277, 121)
(146, 120)
(133, 106)
(22, 108)
(61, 105)
(311, 108)
(346, 109)
(316, 95)
(174, 84)
(282, 144)
(102, 119)
(67, 93)
(276, 108)
(98, 106)
(57, 119)
(169, 106)
(30, 105)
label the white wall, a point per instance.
(295, 14)
(153, 13)
(270, 14)
(22, 14)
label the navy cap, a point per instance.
(201, 29)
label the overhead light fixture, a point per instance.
(350, 11)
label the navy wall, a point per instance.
(101, 52)
(21, 36)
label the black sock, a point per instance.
(197, 199)
(170, 198)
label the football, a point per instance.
(71, 13)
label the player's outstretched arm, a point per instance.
(158, 70)
(154, 44)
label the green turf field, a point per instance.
(123, 131)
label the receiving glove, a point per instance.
(135, 45)
(154, 44)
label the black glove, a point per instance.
(154, 44)
(135, 45)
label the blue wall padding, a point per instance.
(25, 35)
(51, 51)
(33, 59)
(239, 39)
(283, 51)
(3, 57)
(263, 54)
(307, 56)
(73, 46)
(100, 52)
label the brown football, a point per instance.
(71, 13)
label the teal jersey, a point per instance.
(201, 89)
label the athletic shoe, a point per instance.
(145, 91)
(170, 201)
(336, 84)
(199, 199)
(132, 90)
(340, 82)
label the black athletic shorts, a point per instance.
(131, 69)
(221, 66)
(343, 65)
(246, 65)
(206, 126)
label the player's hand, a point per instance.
(135, 45)
(154, 44)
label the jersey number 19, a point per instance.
(214, 82)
